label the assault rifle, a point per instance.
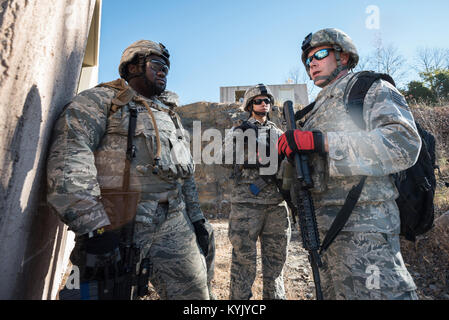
(304, 203)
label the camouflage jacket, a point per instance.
(88, 152)
(244, 177)
(389, 144)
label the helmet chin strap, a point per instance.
(263, 114)
(328, 79)
(259, 113)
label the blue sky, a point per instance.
(228, 43)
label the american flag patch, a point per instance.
(399, 99)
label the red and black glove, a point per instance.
(297, 141)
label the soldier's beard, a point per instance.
(154, 88)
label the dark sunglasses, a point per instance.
(158, 65)
(259, 101)
(319, 55)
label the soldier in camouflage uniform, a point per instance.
(364, 261)
(262, 216)
(88, 156)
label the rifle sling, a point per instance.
(354, 106)
(343, 215)
(303, 112)
(131, 148)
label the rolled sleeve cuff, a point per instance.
(196, 216)
(89, 222)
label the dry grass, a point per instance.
(427, 259)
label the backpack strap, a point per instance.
(343, 215)
(354, 106)
(303, 112)
(358, 92)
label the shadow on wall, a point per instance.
(40, 264)
(23, 150)
(31, 237)
(35, 226)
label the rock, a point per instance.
(439, 234)
(214, 185)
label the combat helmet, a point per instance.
(144, 48)
(251, 93)
(336, 39)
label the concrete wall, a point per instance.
(42, 51)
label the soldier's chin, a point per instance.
(159, 88)
(320, 83)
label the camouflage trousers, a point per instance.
(178, 268)
(210, 260)
(249, 222)
(365, 266)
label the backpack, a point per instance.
(416, 185)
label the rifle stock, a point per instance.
(304, 204)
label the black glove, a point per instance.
(202, 235)
(102, 242)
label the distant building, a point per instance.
(297, 93)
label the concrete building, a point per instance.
(49, 53)
(283, 92)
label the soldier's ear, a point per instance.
(132, 68)
(344, 57)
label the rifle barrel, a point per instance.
(305, 206)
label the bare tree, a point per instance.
(294, 76)
(299, 75)
(363, 64)
(431, 59)
(387, 59)
(447, 59)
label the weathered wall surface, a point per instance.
(41, 54)
(213, 181)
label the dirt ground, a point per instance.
(297, 272)
(429, 270)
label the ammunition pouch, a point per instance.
(120, 206)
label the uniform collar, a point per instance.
(330, 87)
(257, 122)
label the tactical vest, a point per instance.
(162, 146)
(143, 155)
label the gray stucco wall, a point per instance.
(41, 55)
